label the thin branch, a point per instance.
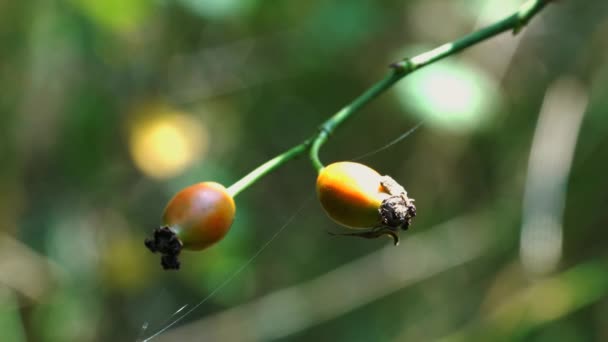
(515, 22)
(267, 167)
(405, 67)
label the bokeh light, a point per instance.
(450, 95)
(163, 142)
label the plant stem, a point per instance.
(513, 22)
(405, 67)
(267, 167)
(330, 125)
(400, 69)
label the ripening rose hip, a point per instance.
(195, 218)
(357, 196)
(200, 215)
(351, 194)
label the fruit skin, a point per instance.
(200, 215)
(351, 194)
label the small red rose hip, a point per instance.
(195, 218)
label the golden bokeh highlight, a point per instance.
(164, 142)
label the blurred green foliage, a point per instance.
(81, 81)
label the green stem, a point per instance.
(337, 119)
(513, 22)
(267, 167)
(399, 70)
(405, 67)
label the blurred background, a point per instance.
(110, 107)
